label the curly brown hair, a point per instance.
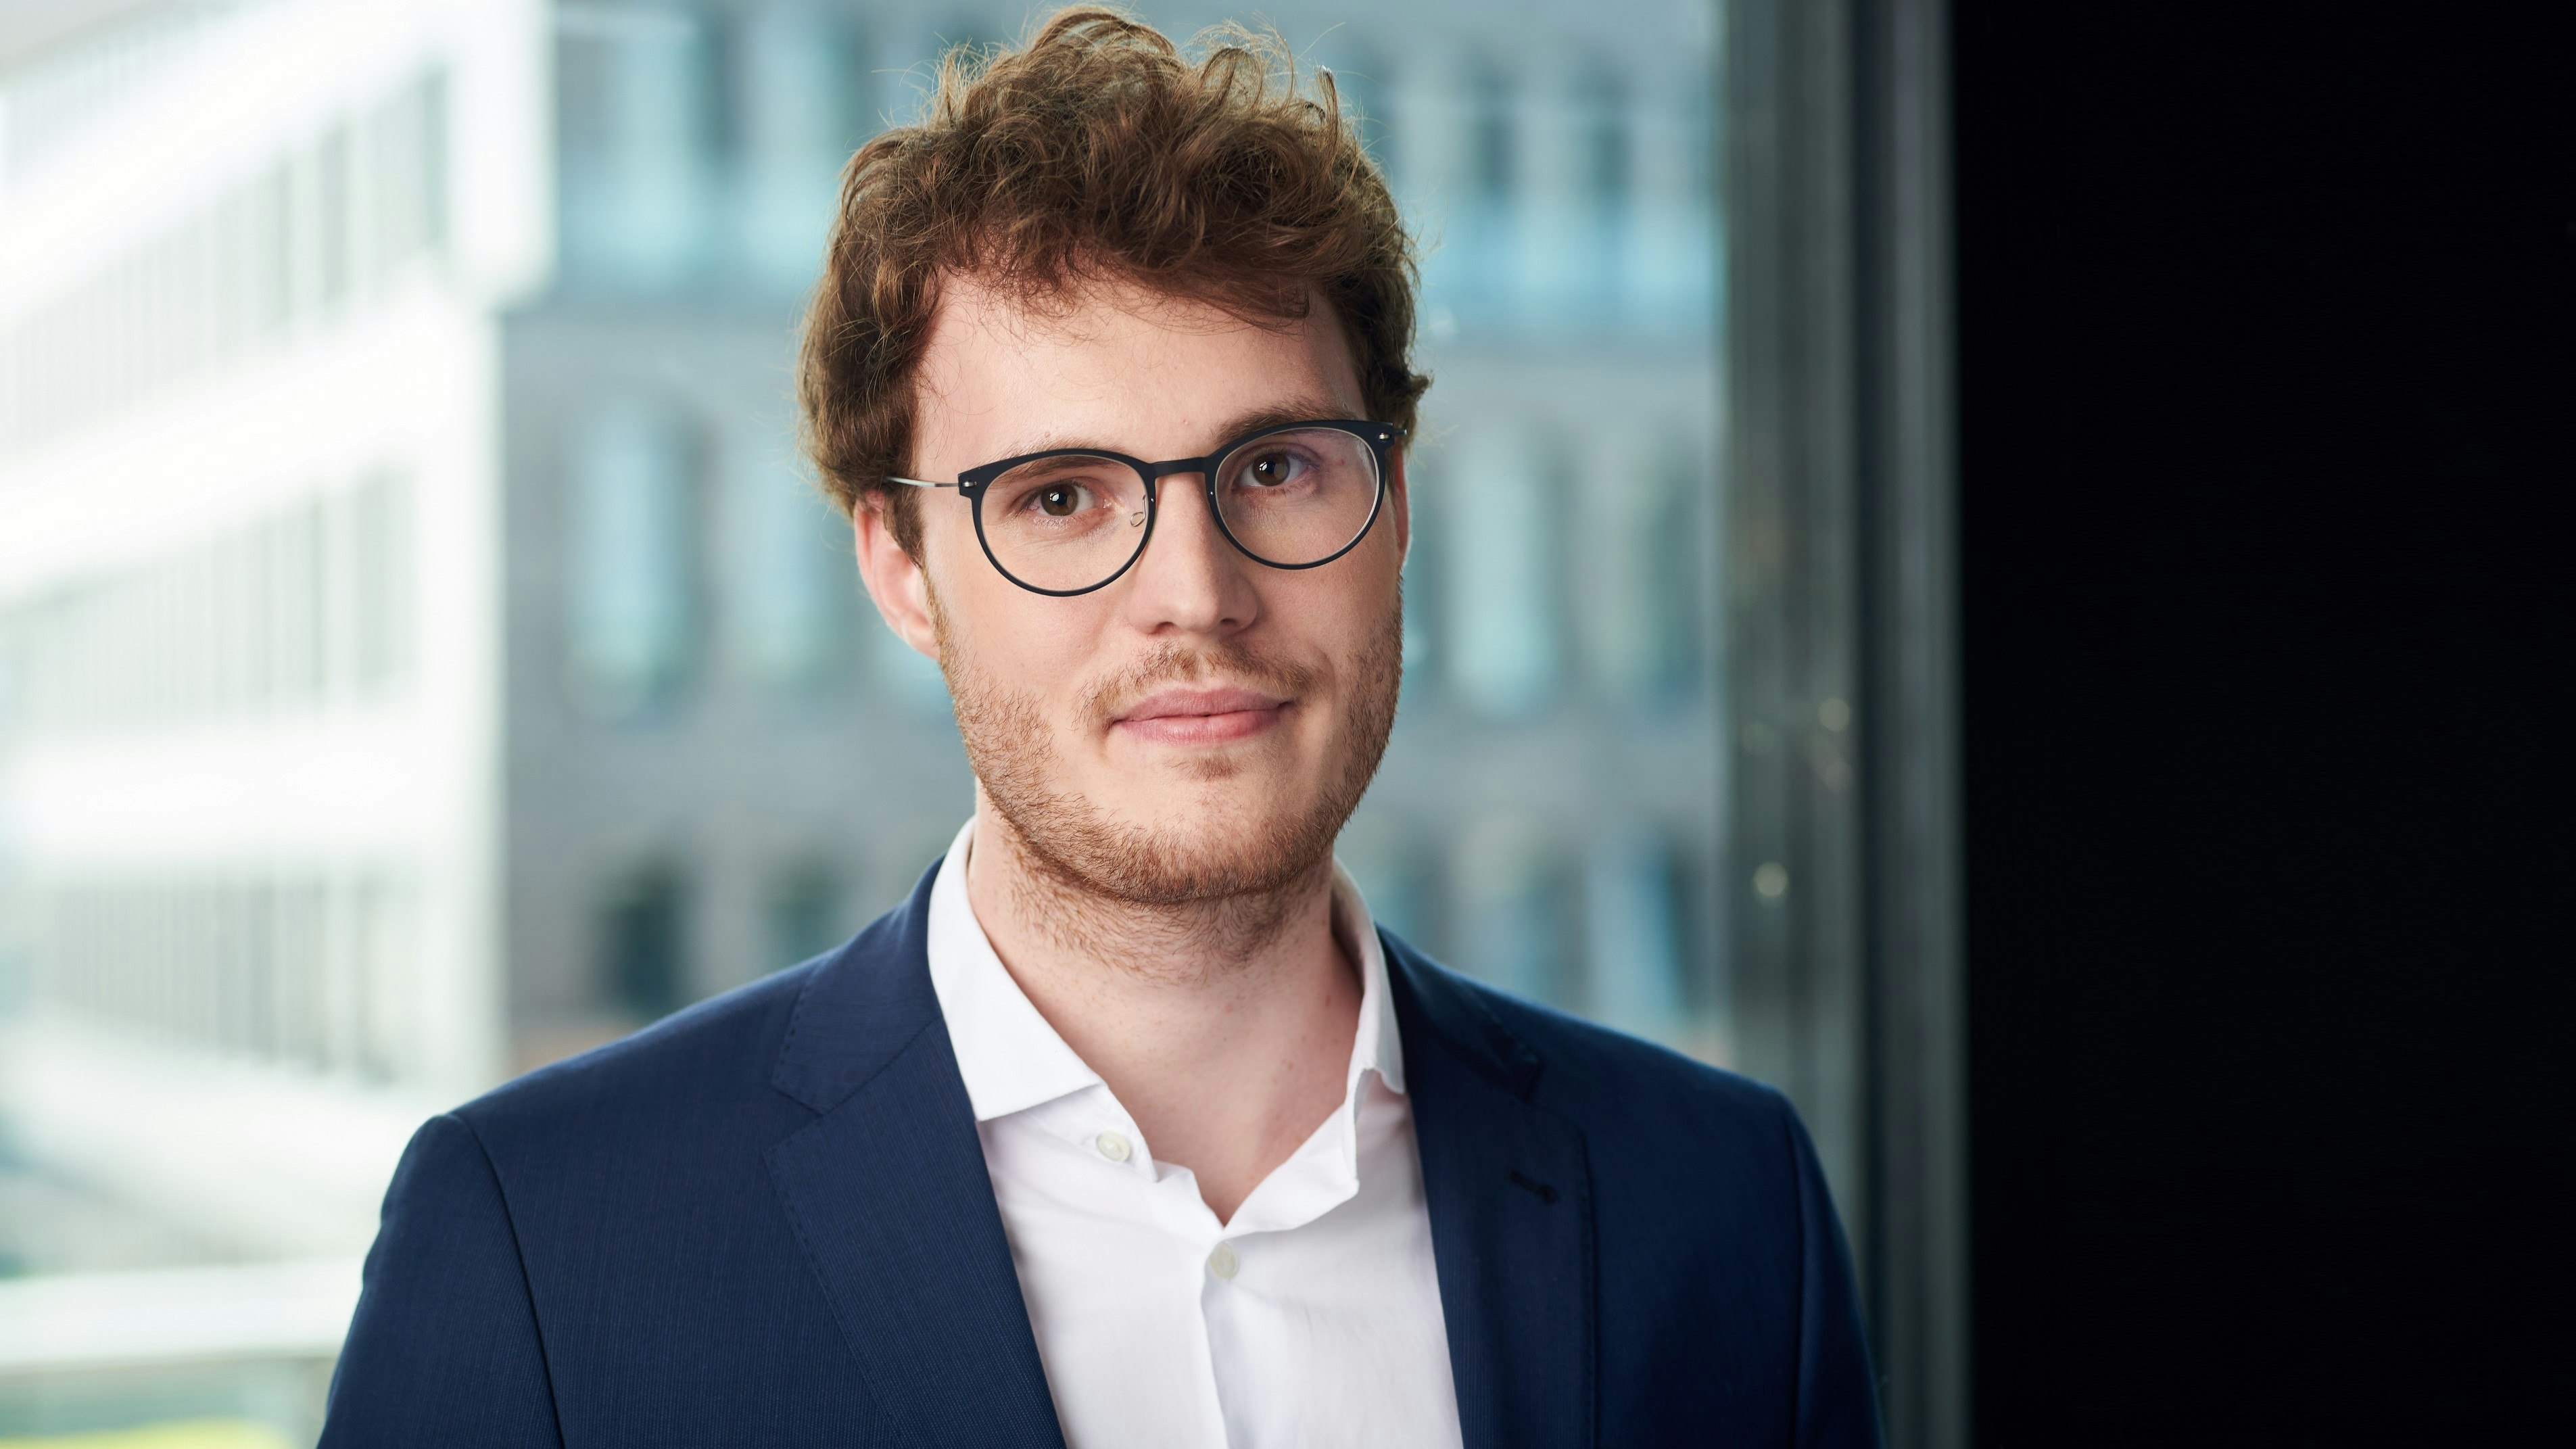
(1097, 151)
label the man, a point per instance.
(1129, 1128)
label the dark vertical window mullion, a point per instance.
(1841, 646)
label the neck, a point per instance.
(1224, 1027)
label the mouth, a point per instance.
(1201, 716)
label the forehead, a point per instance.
(1114, 365)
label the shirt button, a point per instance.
(1221, 1262)
(1112, 1146)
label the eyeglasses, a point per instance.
(1071, 520)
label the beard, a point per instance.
(1243, 853)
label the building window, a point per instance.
(377, 585)
(268, 232)
(1396, 878)
(335, 221)
(799, 119)
(1503, 507)
(1511, 909)
(1643, 536)
(643, 943)
(1362, 83)
(281, 613)
(409, 180)
(308, 969)
(1667, 256)
(236, 271)
(1483, 227)
(637, 93)
(1633, 953)
(793, 585)
(906, 676)
(1605, 182)
(804, 915)
(631, 534)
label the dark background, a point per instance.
(2268, 385)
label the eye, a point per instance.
(1058, 498)
(1273, 469)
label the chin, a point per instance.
(1241, 831)
(1220, 807)
(1216, 779)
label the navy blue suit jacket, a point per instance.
(766, 1221)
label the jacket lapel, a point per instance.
(1510, 1202)
(889, 1196)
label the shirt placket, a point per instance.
(1318, 1178)
(1094, 1121)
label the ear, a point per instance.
(894, 578)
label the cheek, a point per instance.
(1338, 621)
(1372, 588)
(1016, 642)
(982, 612)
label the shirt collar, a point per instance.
(1378, 1047)
(1013, 1060)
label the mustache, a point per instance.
(1231, 662)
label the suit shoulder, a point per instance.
(1620, 1062)
(1596, 1073)
(1661, 1127)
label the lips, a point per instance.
(1201, 716)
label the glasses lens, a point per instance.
(1298, 496)
(1065, 523)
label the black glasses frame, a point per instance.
(970, 485)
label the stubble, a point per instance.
(1219, 890)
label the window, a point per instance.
(1492, 276)
(375, 588)
(1634, 946)
(1640, 573)
(1645, 756)
(904, 676)
(804, 914)
(285, 612)
(631, 534)
(310, 969)
(636, 96)
(792, 610)
(643, 943)
(797, 84)
(1513, 910)
(238, 273)
(335, 219)
(1396, 875)
(1361, 77)
(1604, 164)
(1505, 509)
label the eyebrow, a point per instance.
(1257, 420)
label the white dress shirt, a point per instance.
(1313, 1318)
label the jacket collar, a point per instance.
(888, 1194)
(1509, 1191)
(890, 1198)
(862, 1007)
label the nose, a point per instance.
(1190, 580)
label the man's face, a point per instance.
(1201, 727)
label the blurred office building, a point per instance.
(423, 654)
